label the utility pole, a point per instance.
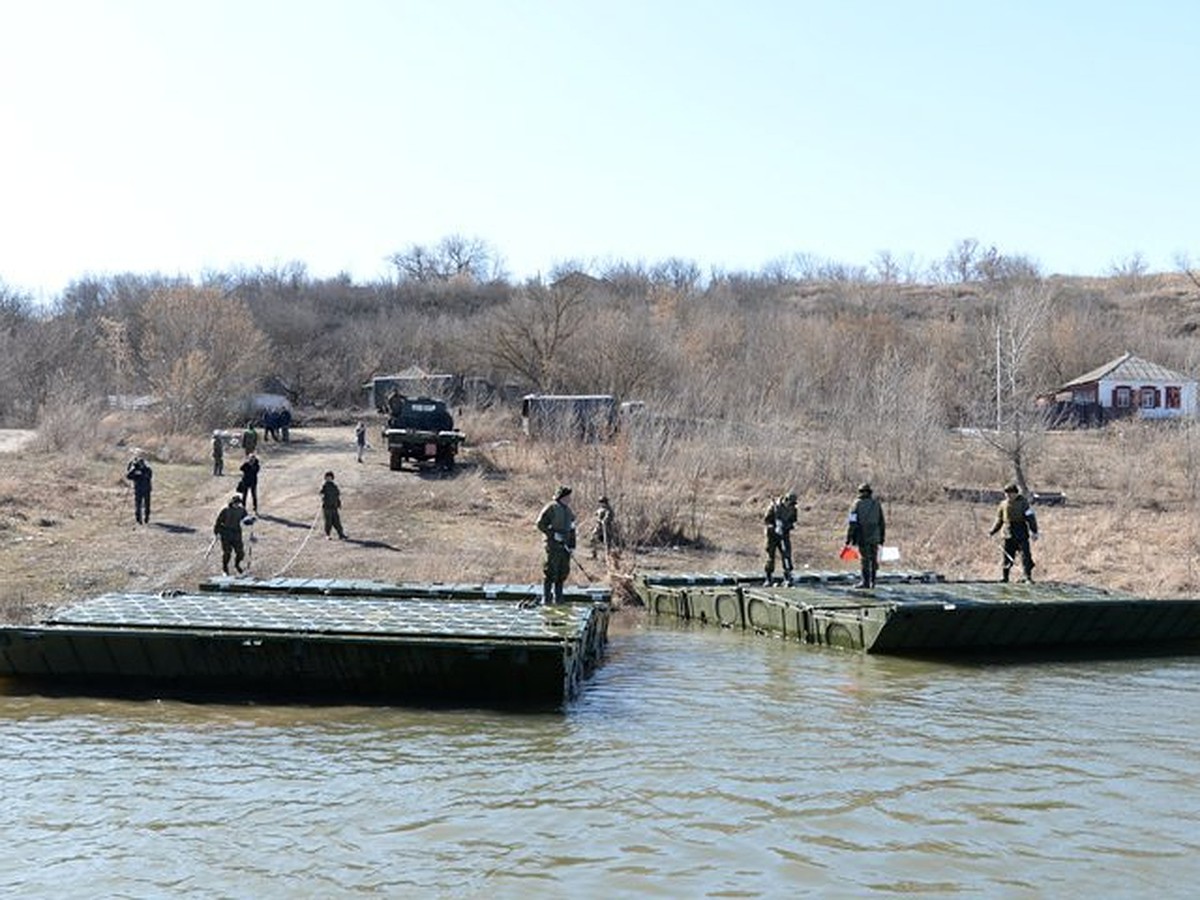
(998, 414)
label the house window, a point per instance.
(1148, 398)
(1174, 396)
(1122, 397)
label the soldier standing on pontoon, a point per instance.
(1016, 517)
(865, 530)
(557, 522)
(778, 522)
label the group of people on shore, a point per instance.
(241, 511)
(866, 527)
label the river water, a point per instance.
(697, 762)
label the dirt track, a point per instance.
(74, 534)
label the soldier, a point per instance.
(218, 454)
(248, 486)
(141, 475)
(395, 402)
(228, 528)
(865, 530)
(271, 425)
(331, 502)
(249, 439)
(1016, 517)
(778, 522)
(557, 522)
(604, 532)
(360, 438)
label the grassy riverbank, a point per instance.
(67, 527)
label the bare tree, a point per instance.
(624, 355)
(1130, 272)
(115, 343)
(1021, 316)
(16, 322)
(532, 333)
(959, 264)
(200, 351)
(680, 274)
(1183, 262)
(455, 256)
(886, 267)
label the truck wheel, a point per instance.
(396, 461)
(445, 458)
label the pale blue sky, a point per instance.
(174, 137)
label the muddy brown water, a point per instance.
(697, 762)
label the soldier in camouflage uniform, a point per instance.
(228, 528)
(865, 530)
(557, 522)
(1016, 517)
(604, 532)
(778, 522)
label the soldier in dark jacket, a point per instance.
(249, 483)
(331, 502)
(557, 522)
(778, 522)
(228, 528)
(1016, 517)
(866, 531)
(218, 454)
(141, 475)
(270, 426)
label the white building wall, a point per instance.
(1187, 398)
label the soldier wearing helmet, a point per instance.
(1016, 517)
(228, 528)
(604, 532)
(556, 522)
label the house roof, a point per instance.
(1128, 367)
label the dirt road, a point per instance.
(69, 527)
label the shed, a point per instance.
(412, 382)
(585, 417)
(1128, 386)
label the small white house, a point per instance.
(1128, 386)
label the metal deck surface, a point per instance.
(799, 577)
(325, 615)
(368, 588)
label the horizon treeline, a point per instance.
(873, 353)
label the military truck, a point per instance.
(420, 429)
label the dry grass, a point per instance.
(66, 518)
